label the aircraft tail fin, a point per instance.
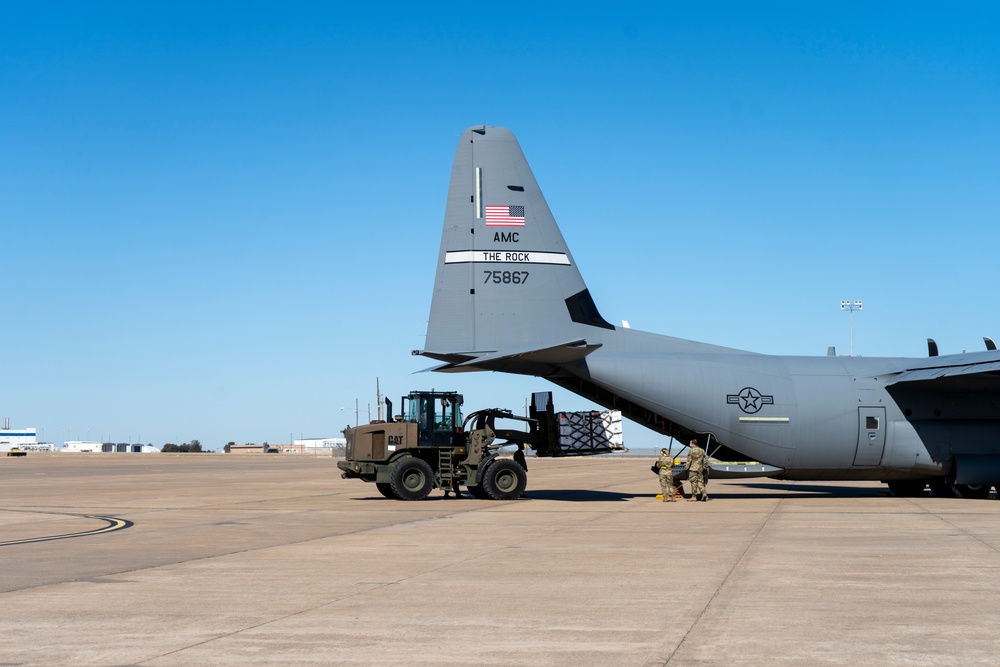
(506, 281)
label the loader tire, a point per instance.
(411, 479)
(505, 480)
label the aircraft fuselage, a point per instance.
(815, 417)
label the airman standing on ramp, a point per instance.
(696, 465)
(666, 465)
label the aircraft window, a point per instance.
(871, 423)
(516, 188)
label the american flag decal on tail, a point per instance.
(504, 215)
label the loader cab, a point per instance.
(438, 416)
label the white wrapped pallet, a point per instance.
(590, 432)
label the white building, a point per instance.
(315, 446)
(90, 446)
(19, 438)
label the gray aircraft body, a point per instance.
(508, 297)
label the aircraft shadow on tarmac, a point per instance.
(803, 491)
(730, 491)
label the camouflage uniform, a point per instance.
(696, 472)
(666, 465)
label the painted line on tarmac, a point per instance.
(113, 524)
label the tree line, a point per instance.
(193, 446)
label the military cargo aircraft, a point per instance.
(508, 297)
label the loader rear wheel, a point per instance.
(411, 479)
(385, 488)
(505, 480)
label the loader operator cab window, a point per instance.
(436, 417)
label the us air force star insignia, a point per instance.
(750, 400)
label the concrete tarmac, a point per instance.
(225, 560)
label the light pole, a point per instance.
(851, 306)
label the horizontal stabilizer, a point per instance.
(517, 360)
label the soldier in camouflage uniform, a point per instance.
(666, 465)
(696, 466)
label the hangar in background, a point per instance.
(87, 446)
(308, 446)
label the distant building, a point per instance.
(317, 446)
(308, 446)
(17, 438)
(80, 446)
(253, 448)
(87, 446)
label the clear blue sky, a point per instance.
(220, 220)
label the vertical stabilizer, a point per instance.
(505, 278)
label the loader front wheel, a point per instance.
(411, 479)
(505, 480)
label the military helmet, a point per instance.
(664, 451)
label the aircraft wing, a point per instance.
(938, 372)
(525, 360)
